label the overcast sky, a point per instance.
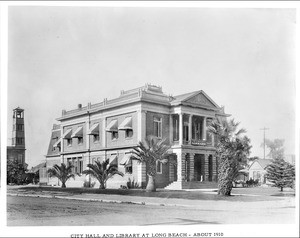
(243, 59)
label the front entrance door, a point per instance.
(199, 167)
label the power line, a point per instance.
(264, 129)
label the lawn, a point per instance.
(240, 194)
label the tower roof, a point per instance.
(18, 109)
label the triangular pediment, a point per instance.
(201, 99)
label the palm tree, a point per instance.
(102, 172)
(63, 173)
(151, 151)
(231, 151)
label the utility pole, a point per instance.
(264, 129)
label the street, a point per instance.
(33, 211)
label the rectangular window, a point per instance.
(69, 142)
(69, 161)
(175, 128)
(80, 165)
(128, 133)
(75, 169)
(20, 158)
(114, 135)
(80, 140)
(128, 169)
(185, 133)
(157, 127)
(158, 167)
(96, 138)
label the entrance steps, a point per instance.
(178, 185)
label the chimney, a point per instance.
(79, 106)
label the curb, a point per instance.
(98, 200)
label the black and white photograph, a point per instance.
(149, 120)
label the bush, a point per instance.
(132, 184)
(87, 184)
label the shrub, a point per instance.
(87, 184)
(132, 184)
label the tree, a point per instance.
(62, 172)
(102, 172)
(16, 172)
(231, 152)
(279, 172)
(151, 152)
(276, 148)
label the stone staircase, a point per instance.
(176, 185)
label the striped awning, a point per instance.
(94, 130)
(113, 159)
(126, 160)
(57, 143)
(78, 132)
(112, 126)
(126, 124)
(67, 134)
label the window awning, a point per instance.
(67, 134)
(112, 126)
(126, 160)
(78, 132)
(57, 143)
(113, 159)
(126, 124)
(94, 130)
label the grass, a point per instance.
(263, 194)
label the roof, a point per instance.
(182, 97)
(37, 167)
(262, 162)
(195, 98)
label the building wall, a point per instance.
(75, 146)
(50, 162)
(162, 179)
(122, 141)
(165, 124)
(257, 172)
(97, 144)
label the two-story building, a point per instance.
(110, 129)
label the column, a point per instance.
(215, 169)
(87, 136)
(171, 169)
(212, 139)
(180, 128)
(205, 167)
(204, 129)
(180, 166)
(141, 125)
(141, 174)
(190, 128)
(171, 128)
(192, 168)
(103, 132)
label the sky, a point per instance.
(244, 59)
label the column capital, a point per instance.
(192, 154)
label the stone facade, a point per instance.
(110, 129)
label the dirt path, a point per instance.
(28, 211)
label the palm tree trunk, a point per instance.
(102, 185)
(226, 175)
(63, 185)
(151, 184)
